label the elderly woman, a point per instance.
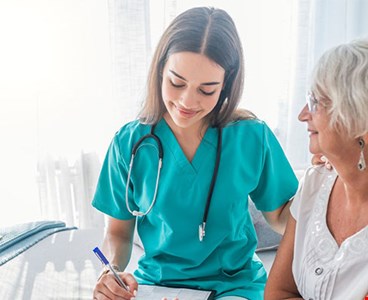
(324, 252)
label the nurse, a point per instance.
(192, 213)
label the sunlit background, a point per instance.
(73, 71)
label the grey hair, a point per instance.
(341, 75)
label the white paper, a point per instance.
(152, 292)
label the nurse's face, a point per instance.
(191, 87)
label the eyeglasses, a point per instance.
(313, 102)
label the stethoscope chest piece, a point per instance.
(201, 231)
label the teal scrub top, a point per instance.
(252, 164)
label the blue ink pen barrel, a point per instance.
(104, 261)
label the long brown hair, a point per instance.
(211, 32)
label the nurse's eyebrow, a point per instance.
(204, 83)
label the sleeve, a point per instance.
(277, 182)
(109, 196)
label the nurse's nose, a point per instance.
(188, 99)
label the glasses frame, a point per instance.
(312, 102)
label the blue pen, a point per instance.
(103, 259)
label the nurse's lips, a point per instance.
(185, 112)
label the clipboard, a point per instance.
(156, 292)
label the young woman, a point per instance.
(192, 213)
(324, 252)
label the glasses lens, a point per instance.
(311, 102)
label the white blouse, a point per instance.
(322, 270)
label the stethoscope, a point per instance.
(152, 135)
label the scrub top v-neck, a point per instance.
(251, 164)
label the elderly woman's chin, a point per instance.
(314, 147)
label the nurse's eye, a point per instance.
(207, 93)
(177, 85)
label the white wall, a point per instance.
(55, 91)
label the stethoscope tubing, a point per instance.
(135, 212)
(152, 135)
(160, 158)
(212, 185)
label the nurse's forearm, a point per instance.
(279, 217)
(118, 241)
(117, 249)
(283, 218)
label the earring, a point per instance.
(361, 164)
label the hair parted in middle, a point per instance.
(211, 32)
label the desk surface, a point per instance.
(63, 266)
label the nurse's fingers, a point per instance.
(98, 295)
(101, 296)
(129, 281)
(328, 165)
(108, 288)
(319, 159)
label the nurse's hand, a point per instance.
(319, 159)
(108, 288)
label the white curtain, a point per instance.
(73, 71)
(129, 25)
(318, 26)
(57, 113)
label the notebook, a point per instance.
(154, 292)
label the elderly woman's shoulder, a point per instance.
(317, 174)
